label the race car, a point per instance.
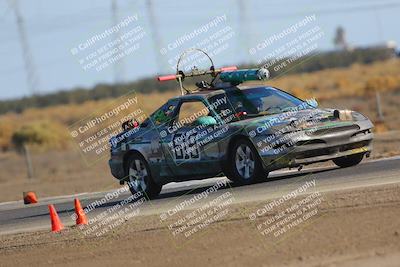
(241, 132)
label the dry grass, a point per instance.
(65, 115)
(356, 80)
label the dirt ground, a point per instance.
(352, 228)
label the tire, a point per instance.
(244, 164)
(140, 179)
(348, 161)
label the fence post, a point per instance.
(378, 106)
(28, 160)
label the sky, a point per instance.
(52, 29)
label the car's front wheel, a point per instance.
(245, 166)
(348, 161)
(139, 177)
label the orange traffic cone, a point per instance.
(56, 225)
(30, 197)
(80, 214)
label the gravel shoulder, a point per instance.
(353, 227)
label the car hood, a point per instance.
(302, 119)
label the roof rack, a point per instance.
(229, 76)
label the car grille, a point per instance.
(335, 130)
(310, 142)
(330, 150)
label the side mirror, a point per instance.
(206, 121)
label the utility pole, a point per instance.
(155, 35)
(119, 67)
(340, 39)
(32, 78)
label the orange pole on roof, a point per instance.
(177, 76)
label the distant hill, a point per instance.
(312, 63)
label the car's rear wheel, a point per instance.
(244, 164)
(348, 161)
(139, 177)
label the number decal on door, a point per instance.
(185, 147)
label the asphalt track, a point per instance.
(15, 217)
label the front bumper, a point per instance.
(318, 146)
(117, 168)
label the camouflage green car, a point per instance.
(239, 132)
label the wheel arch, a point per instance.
(233, 140)
(225, 165)
(231, 143)
(128, 155)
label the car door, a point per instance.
(192, 153)
(159, 124)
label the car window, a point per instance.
(262, 100)
(165, 113)
(191, 111)
(222, 107)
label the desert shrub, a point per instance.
(342, 83)
(6, 131)
(301, 93)
(381, 84)
(41, 134)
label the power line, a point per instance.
(29, 62)
(327, 11)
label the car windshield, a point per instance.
(257, 101)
